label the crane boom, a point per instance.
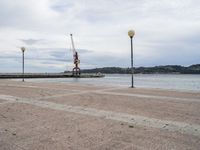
(73, 47)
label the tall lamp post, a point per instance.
(23, 50)
(131, 33)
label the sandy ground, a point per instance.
(50, 116)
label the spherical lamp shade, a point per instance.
(131, 33)
(23, 49)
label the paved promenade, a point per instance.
(52, 116)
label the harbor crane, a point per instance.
(76, 70)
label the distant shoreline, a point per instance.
(168, 69)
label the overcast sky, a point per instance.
(167, 32)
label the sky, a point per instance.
(166, 33)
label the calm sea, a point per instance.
(165, 81)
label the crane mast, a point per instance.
(76, 70)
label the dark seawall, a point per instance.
(47, 75)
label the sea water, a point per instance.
(165, 81)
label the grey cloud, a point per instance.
(62, 52)
(31, 41)
(18, 58)
(61, 7)
(49, 55)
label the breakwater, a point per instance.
(47, 75)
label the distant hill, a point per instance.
(169, 69)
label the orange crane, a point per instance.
(76, 70)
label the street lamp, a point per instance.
(23, 50)
(131, 33)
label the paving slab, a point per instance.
(155, 108)
(161, 92)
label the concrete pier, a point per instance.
(47, 75)
(56, 116)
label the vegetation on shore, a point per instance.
(169, 69)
